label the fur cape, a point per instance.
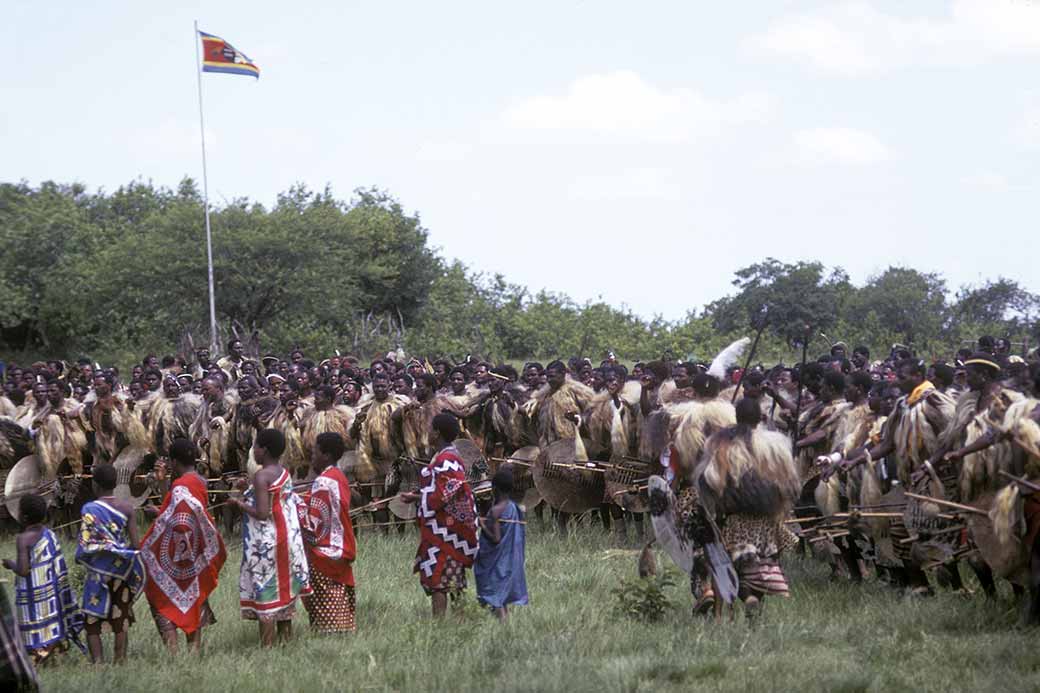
(376, 441)
(979, 470)
(502, 424)
(826, 417)
(59, 439)
(171, 418)
(612, 427)
(314, 422)
(916, 429)
(1025, 432)
(854, 428)
(213, 424)
(114, 427)
(550, 410)
(692, 423)
(748, 471)
(15, 442)
(7, 407)
(293, 458)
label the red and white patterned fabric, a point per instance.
(327, 530)
(447, 518)
(183, 553)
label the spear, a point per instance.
(760, 318)
(801, 386)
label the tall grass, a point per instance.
(826, 637)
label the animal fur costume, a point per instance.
(7, 407)
(613, 424)
(15, 442)
(501, 420)
(979, 470)
(850, 433)
(249, 417)
(171, 418)
(550, 410)
(59, 439)
(313, 422)
(822, 416)
(115, 427)
(213, 423)
(916, 422)
(293, 457)
(416, 422)
(1005, 539)
(691, 424)
(748, 482)
(377, 448)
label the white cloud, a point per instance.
(1027, 130)
(845, 146)
(855, 37)
(622, 105)
(634, 183)
(990, 181)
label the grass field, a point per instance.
(826, 637)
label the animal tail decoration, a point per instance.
(728, 357)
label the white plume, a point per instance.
(728, 357)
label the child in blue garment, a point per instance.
(499, 568)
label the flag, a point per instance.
(220, 56)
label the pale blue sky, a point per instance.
(638, 152)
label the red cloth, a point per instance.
(327, 530)
(447, 517)
(183, 553)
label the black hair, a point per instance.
(33, 509)
(327, 391)
(705, 385)
(748, 412)
(232, 341)
(447, 426)
(331, 444)
(535, 365)
(506, 371)
(428, 379)
(658, 368)
(862, 380)
(182, 451)
(557, 365)
(835, 380)
(754, 378)
(861, 350)
(915, 366)
(502, 482)
(271, 440)
(944, 373)
(104, 476)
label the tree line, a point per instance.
(113, 275)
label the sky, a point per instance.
(637, 153)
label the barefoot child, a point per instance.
(48, 613)
(499, 569)
(115, 572)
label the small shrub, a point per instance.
(645, 599)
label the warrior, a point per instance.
(373, 430)
(232, 363)
(747, 484)
(60, 438)
(557, 407)
(211, 430)
(171, 415)
(324, 417)
(111, 421)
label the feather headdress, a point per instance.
(728, 357)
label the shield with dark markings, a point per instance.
(566, 485)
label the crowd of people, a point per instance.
(896, 465)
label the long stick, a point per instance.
(205, 202)
(1019, 480)
(801, 388)
(949, 504)
(747, 362)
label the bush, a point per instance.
(645, 599)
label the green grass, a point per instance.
(826, 637)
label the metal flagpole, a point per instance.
(213, 346)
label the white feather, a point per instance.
(728, 357)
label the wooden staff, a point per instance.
(511, 460)
(751, 354)
(949, 504)
(1019, 480)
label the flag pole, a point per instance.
(213, 346)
